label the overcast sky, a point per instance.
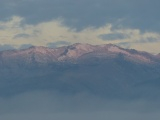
(53, 23)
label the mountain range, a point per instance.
(107, 71)
(74, 53)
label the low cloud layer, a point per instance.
(40, 105)
(57, 44)
(21, 36)
(6, 47)
(113, 36)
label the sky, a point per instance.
(53, 23)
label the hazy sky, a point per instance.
(128, 23)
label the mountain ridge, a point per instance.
(104, 70)
(75, 52)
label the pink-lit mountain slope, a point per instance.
(74, 53)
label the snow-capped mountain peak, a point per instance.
(73, 53)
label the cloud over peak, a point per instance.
(55, 33)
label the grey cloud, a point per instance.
(2, 27)
(125, 44)
(24, 46)
(6, 47)
(148, 40)
(58, 43)
(23, 35)
(111, 115)
(80, 14)
(114, 36)
(129, 44)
